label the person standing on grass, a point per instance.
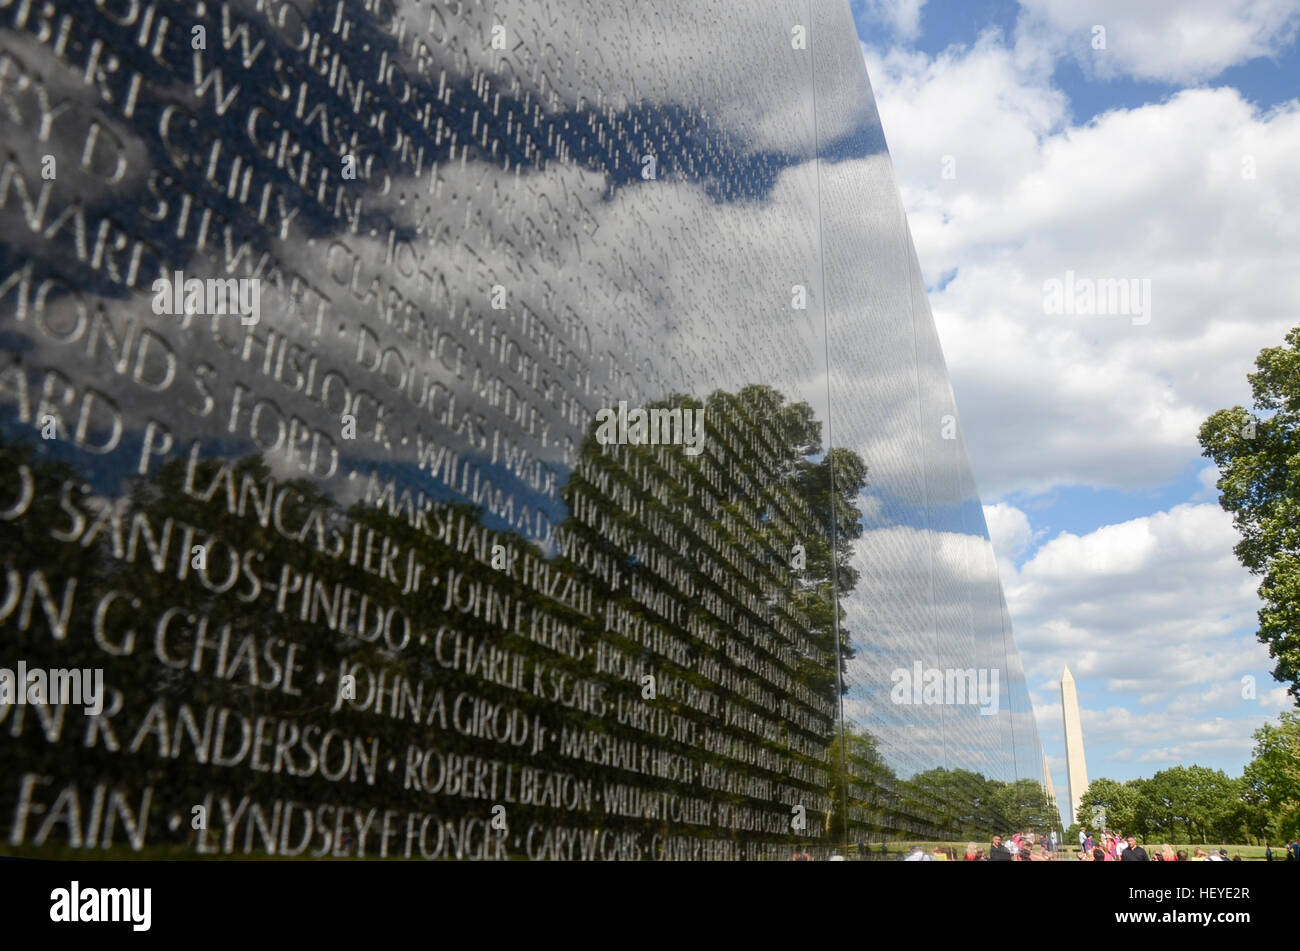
(999, 852)
(1134, 852)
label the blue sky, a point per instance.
(1149, 142)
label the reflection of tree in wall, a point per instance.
(795, 470)
(939, 804)
(798, 475)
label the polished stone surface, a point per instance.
(366, 568)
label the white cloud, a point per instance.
(1166, 585)
(1178, 41)
(1208, 479)
(1008, 528)
(1155, 618)
(903, 17)
(1155, 193)
(1154, 615)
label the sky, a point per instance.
(1152, 142)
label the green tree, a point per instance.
(1211, 796)
(1119, 803)
(1149, 817)
(1272, 778)
(1239, 819)
(1166, 792)
(1197, 797)
(1258, 455)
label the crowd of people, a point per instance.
(1104, 846)
(1018, 847)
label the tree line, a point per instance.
(1196, 804)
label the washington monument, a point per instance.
(1075, 767)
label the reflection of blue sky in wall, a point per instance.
(1129, 162)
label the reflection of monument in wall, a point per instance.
(1076, 768)
(1048, 786)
